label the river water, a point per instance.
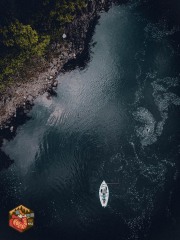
(115, 118)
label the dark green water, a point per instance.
(116, 119)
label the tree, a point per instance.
(19, 36)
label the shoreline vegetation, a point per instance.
(36, 41)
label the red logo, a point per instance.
(21, 218)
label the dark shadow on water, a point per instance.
(8, 134)
(5, 161)
(20, 119)
(84, 58)
(51, 92)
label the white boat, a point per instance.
(104, 194)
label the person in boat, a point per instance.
(104, 192)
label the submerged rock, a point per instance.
(55, 83)
(11, 128)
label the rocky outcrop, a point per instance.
(22, 95)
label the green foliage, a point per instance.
(40, 47)
(81, 4)
(10, 66)
(28, 27)
(25, 41)
(19, 35)
(68, 18)
(65, 11)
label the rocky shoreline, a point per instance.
(19, 98)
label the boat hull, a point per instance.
(104, 194)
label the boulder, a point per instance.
(55, 83)
(30, 98)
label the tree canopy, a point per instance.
(27, 27)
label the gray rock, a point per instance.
(55, 83)
(29, 98)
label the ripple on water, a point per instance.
(163, 99)
(55, 116)
(148, 129)
(159, 31)
(139, 184)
